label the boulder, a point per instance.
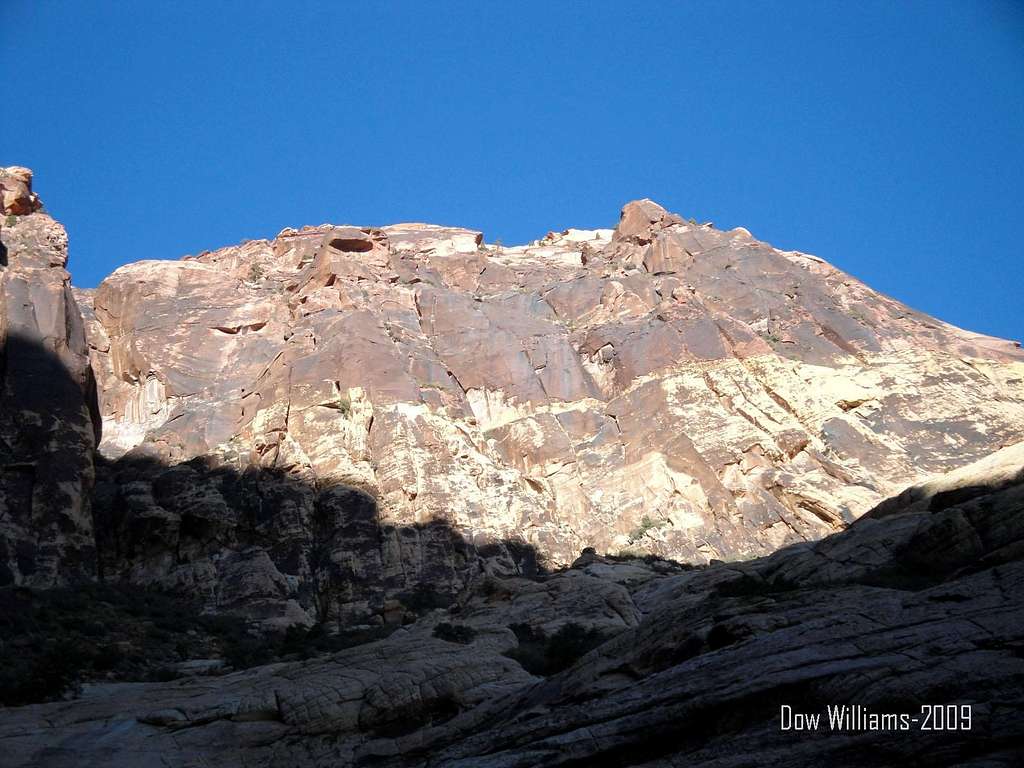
(640, 220)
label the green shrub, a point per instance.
(646, 524)
(749, 585)
(455, 633)
(51, 641)
(108, 657)
(424, 597)
(47, 672)
(244, 651)
(163, 675)
(541, 655)
(316, 641)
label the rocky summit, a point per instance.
(609, 498)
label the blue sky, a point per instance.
(885, 137)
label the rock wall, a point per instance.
(275, 548)
(663, 387)
(361, 426)
(49, 423)
(312, 426)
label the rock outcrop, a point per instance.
(48, 415)
(917, 603)
(16, 196)
(664, 387)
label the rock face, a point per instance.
(919, 602)
(16, 196)
(48, 415)
(405, 427)
(663, 387)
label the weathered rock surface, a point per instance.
(916, 605)
(48, 416)
(16, 196)
(665, 387)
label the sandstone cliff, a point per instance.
(408, 433)
(663, 387)
(48, 418)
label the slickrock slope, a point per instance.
(918, 602)
(47, 400)
(663, 387)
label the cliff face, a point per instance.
(48, 418)
(308, 428)
(355, 426)
(663, 387)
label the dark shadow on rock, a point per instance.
(259, 545)
(249, 566)
(48, 432)
(264, 544)
(919, 607)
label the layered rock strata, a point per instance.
(663, 387)
(311, 428)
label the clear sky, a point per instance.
(886, 137)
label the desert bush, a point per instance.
(749, 585)
(542, 655)
(163, 674)
(646, 525)
(305, 642)
(455, 633)
(424, 597)
(52, 641)
(46, 672)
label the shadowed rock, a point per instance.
(49, 419)
(695, 668)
